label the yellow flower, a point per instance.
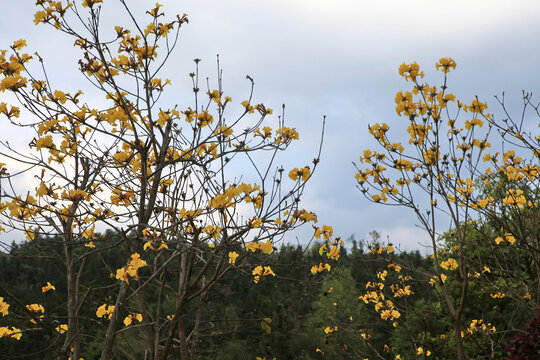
(303, 173)
(266, 247)
(232, 257)
(498, 295)
(12, 83)
(62, 328)
(510, 238)
(19, 44)
(44, 142)
(105, 311)
(259, 272)
(136, 261)
(265, 325)
(30, 234)
(285, 135)
(132, 317)
(60, 96)
(46, 288)
(212, 230)
(326, 232)
(12, 333)
(255, 222)
(330, 330)
(450, 264)
(119, 197)
(445, 64)
(204, 118)
(3, 307)
(35, 308)
(268, 271)
(410, 71)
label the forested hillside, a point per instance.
(291, 316)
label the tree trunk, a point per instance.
(110, 335)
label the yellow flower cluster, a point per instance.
(155, 246)
(379, 131)
(325, 232)
(498, 295)
(21, 209)
(10, 332)
(11, 69)
(105, 311)
(265, 134)
(508, 237)
(212, 230)
(450, 264)
(331, 249)
(299, 215)
(386, 308)
(330, 330)
(303, 174)
(401, 292)
(315, 269)
(381, 250)
(479, 325)
(36, 308)
(264, 246)
(4, 307)
(47, 287)
(515, 198)
(445, 64)
(437, 280)
(410, 71)
(228, 198)
(420, 351)
(122, 198)
(12, 112)
(128, 320)
(285, 135)
(62, 328)
(131, 269)
(259, 272)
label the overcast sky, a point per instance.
(337, 58)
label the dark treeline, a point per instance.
(290, 316)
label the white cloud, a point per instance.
(407, 238)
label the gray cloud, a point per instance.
(336, 58)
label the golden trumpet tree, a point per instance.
(448, 172)
(166, 181)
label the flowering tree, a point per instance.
(162, 179)
(492, 207)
